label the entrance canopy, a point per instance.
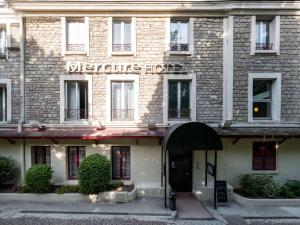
(192, 136)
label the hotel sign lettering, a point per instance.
(107, 68)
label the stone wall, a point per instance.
(286, 63)
(45, 64)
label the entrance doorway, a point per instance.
(181, 171)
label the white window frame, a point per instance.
(110, 37)
(7, 83)
(64, 37)
(191, 37)
(167, 78)
(7, 36)
(135, 80)
(87, 78)
(276, 96)
(274, 36)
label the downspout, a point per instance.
(22, 92)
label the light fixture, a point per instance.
(256, 109)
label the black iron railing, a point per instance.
(179, 113)
(264, 46)
(179, 47)
(76, 47)
(76, 114)
(122, 114)
(121, 47)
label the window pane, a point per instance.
(2, 41)
(184, 27)
(83, 100)
(75, 36)
(185, 99)
(174, 33)
(264, 156)
(116, 88)
(262, 109)
(116, 162)
(127, 33)
(173, 99)
(257, 32)
(121, 162)
(262, 89)
(41, 155)
(116, 32)
(75, 156)
(126, 162)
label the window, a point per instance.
(3, 103)
(75, 35)
(122, 101)
(121, 162)
(40, 155)
(265, 37)
(179, 35)
(121, 34)
(2, 41)
(75, 156)
(76, 100)
(179, 100)
(264, 99)
(264, 156)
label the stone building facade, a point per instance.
(227, 63)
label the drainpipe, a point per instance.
(22, 92)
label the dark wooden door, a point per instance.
(181, 171)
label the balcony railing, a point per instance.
(121, 47)
(122, 114)
(264, 46)
(179, 113)
(76, 114)
(179, 47)
(76, 47)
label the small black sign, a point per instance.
(211, 169)
(221, 187)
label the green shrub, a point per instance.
(261, 182)
(8, 169)
(94, 174)
(294, 187)
(67, 189)
(270, 190)
(248, 184)
(116, 184)
(286, 192)
(38, 179)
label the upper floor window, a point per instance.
(122, 102)
(75, 35)
(76, 154)
(76, 100)
(179, 35)
(3, 103)
(264, 97)
(40, 155)
(179, 106)
(264, 156)
(265, 34)
(2, 41)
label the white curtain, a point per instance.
(2, 40)
(72, 106)
(76, 32)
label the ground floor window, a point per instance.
(75, 156)
(41, 155)
(121, 162)
(264, 156)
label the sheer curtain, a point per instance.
(76, 35)
(72, 100)
(2, 41)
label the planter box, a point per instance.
(109, 196)
(265, 202)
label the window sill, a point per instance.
(264, 172)
(178, 121)
(266, 52)
(263, 121)
(180, 53)
(75, 53)
(80, 122)
(122, 53)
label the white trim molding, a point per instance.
(190, 37)
(276, 96)
(87, 78)
(7, 83)
(189, 77)
(228, 69)
(110, 51)
(274, 36)
(64, 37)
(109, 79)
